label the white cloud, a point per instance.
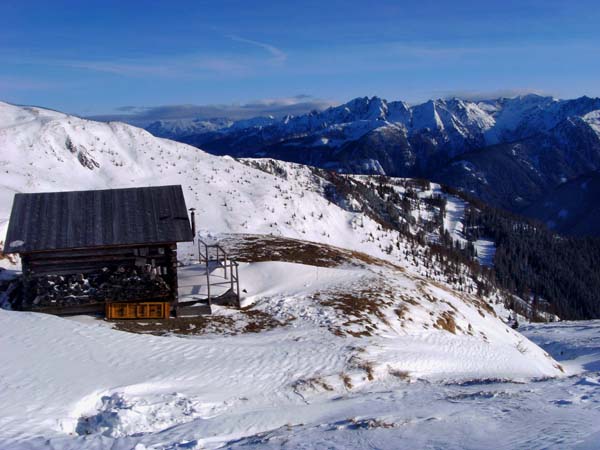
(476, 95)
(278, 107)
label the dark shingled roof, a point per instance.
(83, 219)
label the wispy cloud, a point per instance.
(24, 84)
(278, 107)
(187, 66)
(278, 55)
(232, 62)
(476, 95)
(121, 67)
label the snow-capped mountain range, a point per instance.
(456, 124)
(508, 151)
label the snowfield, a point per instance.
(85, 385)
(359, 349)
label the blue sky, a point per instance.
(107, 57)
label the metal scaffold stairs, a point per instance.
(219, 285)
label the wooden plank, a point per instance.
(101, 251)
(85, 260)
(84, 270)
(93, 308)
(96, 227)
(150, 227)
(45, 234)
(159, 260)
(105, 250)
(91, 248)
(60, 218)
(43, 271)
(81, 226)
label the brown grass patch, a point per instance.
(366, 366)
(247, 321)
(347, 381)
(353, 304)
(259, 248)
(356, 334)
(446, 322)
(315, 383)
(179, 325)
(401, 312)
(360, 306)
(409, 300)
(261, 321)
(13, 259)
(401, 374)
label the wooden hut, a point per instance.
(112, 251)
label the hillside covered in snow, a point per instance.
(344, 301)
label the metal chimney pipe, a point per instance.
(193, 220)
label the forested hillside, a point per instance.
(559, 274)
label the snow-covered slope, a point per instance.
(71, 385)
(593, 119)
(419, 206)
(377, 314)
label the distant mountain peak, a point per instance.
(373, 135)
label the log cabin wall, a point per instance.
(44, 268)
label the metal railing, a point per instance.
(214, 257)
